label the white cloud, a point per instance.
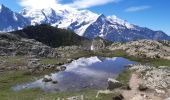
(79, 4)
(137, 8)
(39, 4)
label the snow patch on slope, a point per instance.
(15, 17)
(78, 21)
(72, 19)
(114, 19)
(0, 8)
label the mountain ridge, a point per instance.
(56, 38)
(88, 24)
(11, 20)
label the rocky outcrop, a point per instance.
(97, 44)
(144, 48)
(12, 45)
(140, 67)
(70, 52)
(35, 66)
(156, 79)
(11, 20)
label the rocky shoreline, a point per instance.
(146, 83)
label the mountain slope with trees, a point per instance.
(50, 36)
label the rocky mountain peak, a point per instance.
(2, 6)
(4, 9)
(11, 20)
(101, 17)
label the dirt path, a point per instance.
(168, 57)
(135, 94)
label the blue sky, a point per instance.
(154, 14)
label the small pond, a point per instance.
(92, 72)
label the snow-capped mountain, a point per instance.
(10, 20)
(91, 25)
(41, 16)
(71, 19)
(88, 24)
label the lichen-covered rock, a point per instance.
(144, 48)
(11, 45)
(157, 79)
(140, 67)
(160, 91)
(68, 51)
(97, 44)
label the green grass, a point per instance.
(11, 78)
(82, 54)
(52, 61)
(155, 62)
(11, 60)
(85, 53)
(75, 55)
(108, 53)
(37, 94)
(160, 62)
(119, 53)
(124, 77)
